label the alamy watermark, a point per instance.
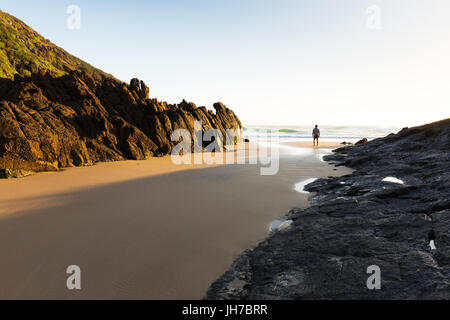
(374, 280)
(73, 21)
(374, 21)
(206, 147)
(74, 280)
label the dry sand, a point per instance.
(141, 229)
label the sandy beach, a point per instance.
(308, 144)
(142, 229)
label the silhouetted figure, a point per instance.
(316, 135)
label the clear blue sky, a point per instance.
(273, 62)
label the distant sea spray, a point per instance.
(339, 133)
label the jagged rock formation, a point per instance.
(51, 122)
(58, 111)
(357, 221)
(23, 52)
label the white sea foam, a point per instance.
(320, 153)
(300, 187)
(332, 133)
(393, 180)
(278, 225)
(432, 245)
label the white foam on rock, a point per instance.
(393, 180)
(322, 153)
(432, 245)
(300, 187)
(278, 225)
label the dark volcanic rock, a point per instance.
(47, 123)
(359, 220)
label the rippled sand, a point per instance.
(140, 229)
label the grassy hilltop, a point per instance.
(23, 51)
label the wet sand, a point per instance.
(308, 144)
(141, 229)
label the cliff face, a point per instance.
(58, 111)
(47, 123)
(361, 220)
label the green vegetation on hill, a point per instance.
(23, 51)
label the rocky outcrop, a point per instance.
(361, 220)
(47, 122)
(364, 140)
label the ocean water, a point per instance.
(329, 133)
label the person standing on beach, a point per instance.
(316, 135)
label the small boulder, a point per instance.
(362, 141)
